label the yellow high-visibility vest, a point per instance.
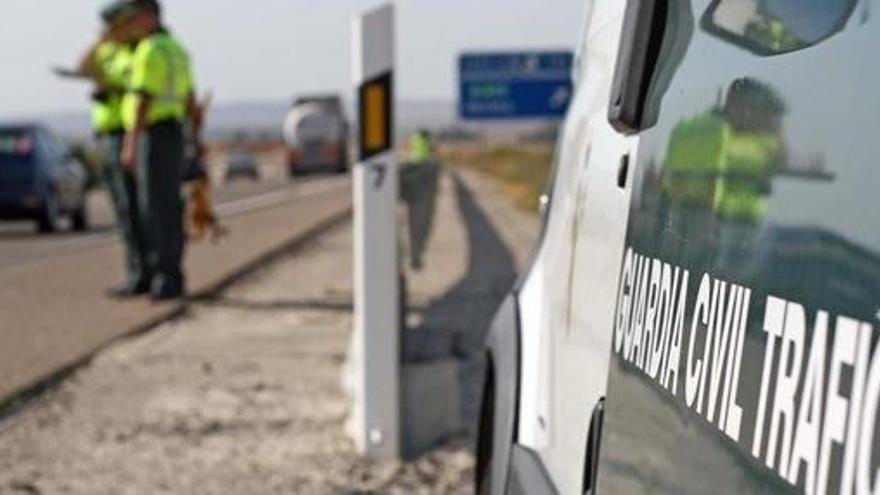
(112, 61)
(161, 69)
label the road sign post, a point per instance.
(376, 355)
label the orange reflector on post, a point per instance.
(376, 115)
(374, 136)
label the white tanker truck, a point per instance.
(316, 135)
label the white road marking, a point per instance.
(224, 210)
(274, 198)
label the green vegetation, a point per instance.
(524, 170)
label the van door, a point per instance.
(744, 355)
(565, 364)
(17, 161)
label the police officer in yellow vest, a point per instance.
(719, 168)
(159, 100)
(107, 63)
(419, 191)
(420, 147)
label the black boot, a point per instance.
(128, 290)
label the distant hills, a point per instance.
(248, 120)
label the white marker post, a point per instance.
(375, 421)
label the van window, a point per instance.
(55, 149)
(16, 145)
(772, 27)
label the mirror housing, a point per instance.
(776, 27)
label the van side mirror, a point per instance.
(774, 27)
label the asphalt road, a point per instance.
(20, 244)
(53, 309)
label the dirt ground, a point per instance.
(242, 394)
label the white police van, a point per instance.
(701, 312)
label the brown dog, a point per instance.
(202, 219)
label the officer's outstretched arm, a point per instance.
(84, 69)
(88, 64)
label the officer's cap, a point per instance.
(152, 5)
(118, 10)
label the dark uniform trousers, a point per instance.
(160, 164)
(122, 187)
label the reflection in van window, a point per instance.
(771, 27)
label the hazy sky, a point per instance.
(260, 50)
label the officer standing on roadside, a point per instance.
(421, 148)
(160, 98)
(419, 191)
(107, 63)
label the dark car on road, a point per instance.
(242, 164)
(40, 179)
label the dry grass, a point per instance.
(524, 170)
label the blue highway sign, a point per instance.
(514, 85)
